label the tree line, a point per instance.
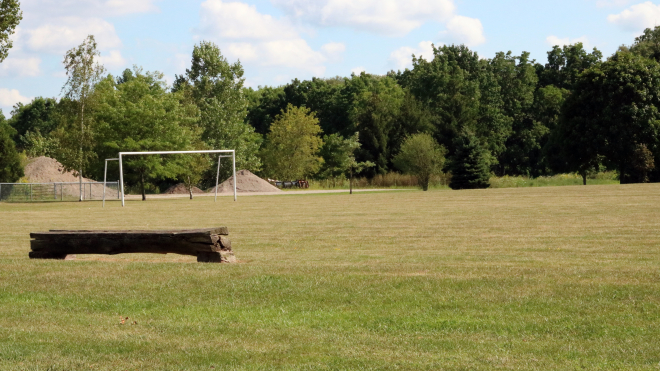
(455, 112)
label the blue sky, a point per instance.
(278, 40)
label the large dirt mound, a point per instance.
(48, 170)
(180, 189)
(246, 182)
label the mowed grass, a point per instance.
(528, 278)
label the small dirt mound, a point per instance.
(247, 182)
(180, 189)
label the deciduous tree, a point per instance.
(10, 16)
(10, 163)
(648, 44)
(83, 71)
(421, 156)
(613, 109)
(292, 146)
(137, 116)
(216, 87)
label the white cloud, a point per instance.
(637, 17)
(9, 97)
(554, 40)
(402, 57)
(112, 60)
(466, 30)
(389, 17)
(333, 51)
(258, 38)
(236, 20)
(247, 52)
(63, 34)
(20, 67)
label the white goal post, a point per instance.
(217, 178)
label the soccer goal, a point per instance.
(230, 153)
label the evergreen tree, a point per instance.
(469, 165)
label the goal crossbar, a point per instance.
(231, 153)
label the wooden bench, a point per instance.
(208, 245)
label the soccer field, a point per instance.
(523, 278)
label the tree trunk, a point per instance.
(82, 123)
(144, 196)
(351, 181)
(190, 187)
(584, 177)
(425, 183)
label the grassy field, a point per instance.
(520, 278)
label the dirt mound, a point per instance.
(180, 189)
(246, 182)
(48, 170)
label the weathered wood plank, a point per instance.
(207, 243)
(222, 231)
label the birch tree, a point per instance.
(83, 71)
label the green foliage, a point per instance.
(648, 44)
(192, 169)
(10, 16)
(11, 169)
(83, 71)
(36, 144)
(39, 115)
(292, 145)
(462, 93)
(565, 64)
(422, 156)
(613, 109)
(264, 105)
(216, 87)
(337, 153)
(134, 116)
(643, 162)
(557, 180)
(518, 81)
(75, 148)
(469, 164)
(376, 106)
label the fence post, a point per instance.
(62, 191)
(55, 191)
(0, 191)
(30, 192)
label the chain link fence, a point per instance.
(32, 192)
